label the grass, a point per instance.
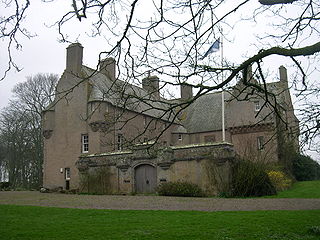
(25, 222)
(306, 189)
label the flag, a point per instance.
(214, 48)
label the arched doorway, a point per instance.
(145, 178)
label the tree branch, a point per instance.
(274, 2)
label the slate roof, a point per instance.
(204, 114)
(127, 96)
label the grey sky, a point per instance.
(43, 53)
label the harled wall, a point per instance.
(207, 165)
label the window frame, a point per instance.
(144, 120)
(260, 143)
(67, 174)
(84, 143)
(210, 138)
(257, 106)
(120, 142)
(91, 107)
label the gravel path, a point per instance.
(154, 202)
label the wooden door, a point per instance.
(145, 178)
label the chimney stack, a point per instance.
(74, 58)
(108, 67)
(151, 85)
(249, 76)
(186, 92)
(283, 74)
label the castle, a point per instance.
(103, 134)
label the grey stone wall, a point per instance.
(207, 165)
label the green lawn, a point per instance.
(306, 189)
(25, 222)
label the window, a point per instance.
(257, 106)
(260, 142)
(91, 108)
(67, 173)
(180, 137)
(209, 138)
(119, 142)
(85, 143)
(106, 107)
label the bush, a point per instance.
(4, 185)
(305, 169)
(315, 230)
(96, 181)
(180, 189)
(251, 180)
(279, 180)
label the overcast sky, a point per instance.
(44, 54)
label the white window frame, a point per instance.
(257, 106)
(180, 137)
(260, 143)
(67, 173)
(144, 121)
(84, 143)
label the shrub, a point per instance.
(305, 169)
(4, 185)
(180, 189)
(315, 230)
(279, 180)
(96, 181)
(250, 179)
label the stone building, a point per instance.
(102, 134)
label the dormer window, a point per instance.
(257, 106)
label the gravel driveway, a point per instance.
(154, 202)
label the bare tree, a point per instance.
(12, 29)
(20, 130)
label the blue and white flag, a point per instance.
(214, 48)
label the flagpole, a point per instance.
(222, 94)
